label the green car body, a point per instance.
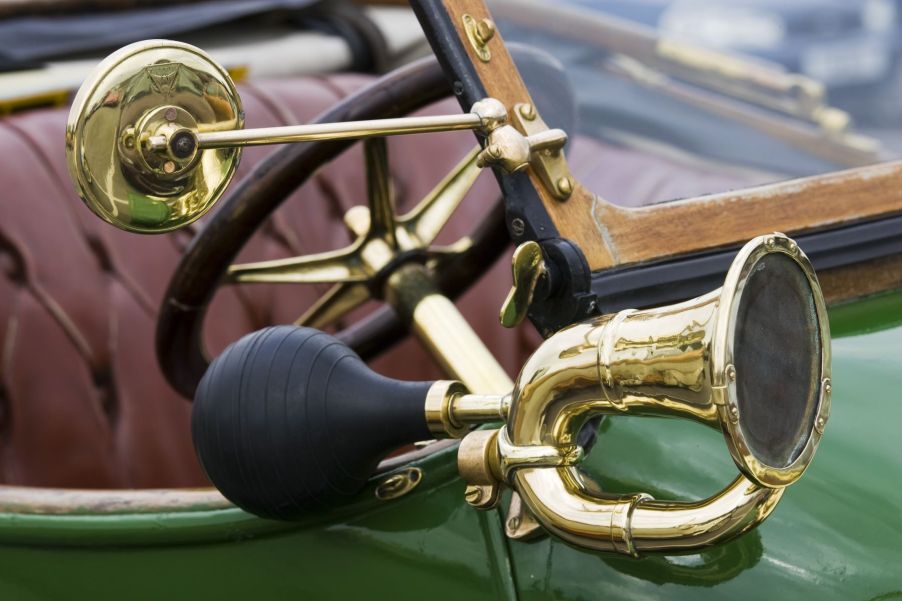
(836, 534)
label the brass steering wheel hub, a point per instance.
(144, 94)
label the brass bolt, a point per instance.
(793, 248)
(485, 31)
(527, 111)
(828, 388)
(734, 412)
(513, 523)
(821, 423)
(731, 372)
(565, 186)
(769, 243)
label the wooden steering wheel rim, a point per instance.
(179, 335)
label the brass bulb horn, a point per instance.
(155, 134)
(751, 359)
(288, 418)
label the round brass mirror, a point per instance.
(149, 91)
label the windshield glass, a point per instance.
(705, 95)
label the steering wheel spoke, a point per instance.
(424, 222)
(340, 300)
(323, 268)
(379, 192)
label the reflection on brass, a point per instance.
(143, 90)
(528, 267)
(549, 164)
(398, 484)
(478, 34)
(703, 360)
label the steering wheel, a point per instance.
(207, 262)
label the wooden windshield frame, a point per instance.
(611, 236)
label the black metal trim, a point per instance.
(677, 279)
(526, 217)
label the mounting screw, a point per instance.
(731, 372)
(169, 167)
(513, 523)
(171, 114)
(518, 227)
(473, 495)
(527, 111)
(734, 413)
(565, 186)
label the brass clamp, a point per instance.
(487, 460)
(512, 457)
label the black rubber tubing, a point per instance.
(290, 419)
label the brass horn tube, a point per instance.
(632, 524)
(641, 363)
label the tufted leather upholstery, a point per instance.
(82, 401)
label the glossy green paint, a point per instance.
(836, 534)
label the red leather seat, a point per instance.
(82, 400)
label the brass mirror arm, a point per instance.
(485, 116)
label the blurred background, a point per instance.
(651, 69)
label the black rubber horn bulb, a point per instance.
(289, 419)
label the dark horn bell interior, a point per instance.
(777, 354)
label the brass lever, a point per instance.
(528, 268)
